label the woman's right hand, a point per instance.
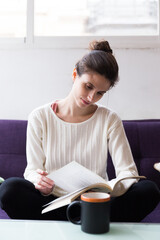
(44, 184)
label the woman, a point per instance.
(76, 128)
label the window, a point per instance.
(13, 18)
(42, 23)
(96, 17)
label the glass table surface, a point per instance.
(59, 230)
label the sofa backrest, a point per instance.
(12, 148)
(143, 136)
(144, 139)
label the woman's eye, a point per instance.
(89, 87)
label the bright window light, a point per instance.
(96, 17)
(13, 14)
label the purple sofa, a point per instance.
(143, 135)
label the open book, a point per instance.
(75, 180)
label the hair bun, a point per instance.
(100, 45)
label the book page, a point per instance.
(74, 176)
(117, 180)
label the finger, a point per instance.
(42, 172)
(43, 185)
(39, 187)
(43, 190)
(45, 182)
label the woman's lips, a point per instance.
(86, 103)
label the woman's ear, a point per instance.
(74, 74)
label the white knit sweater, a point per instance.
(53, 143)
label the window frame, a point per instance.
(76, 42)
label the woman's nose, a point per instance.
(91, 97)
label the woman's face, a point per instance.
(89, 88)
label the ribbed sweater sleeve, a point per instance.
(35, 153)
(121, 155)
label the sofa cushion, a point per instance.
(144, 139)
(3, 214)
(12, 148)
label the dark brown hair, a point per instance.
(100, 60)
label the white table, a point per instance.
(56, 230)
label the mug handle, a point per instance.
(70, 206)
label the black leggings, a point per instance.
(20, 200)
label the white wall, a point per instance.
(32, 77)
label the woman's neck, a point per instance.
(68, 111)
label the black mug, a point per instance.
(94, 214)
